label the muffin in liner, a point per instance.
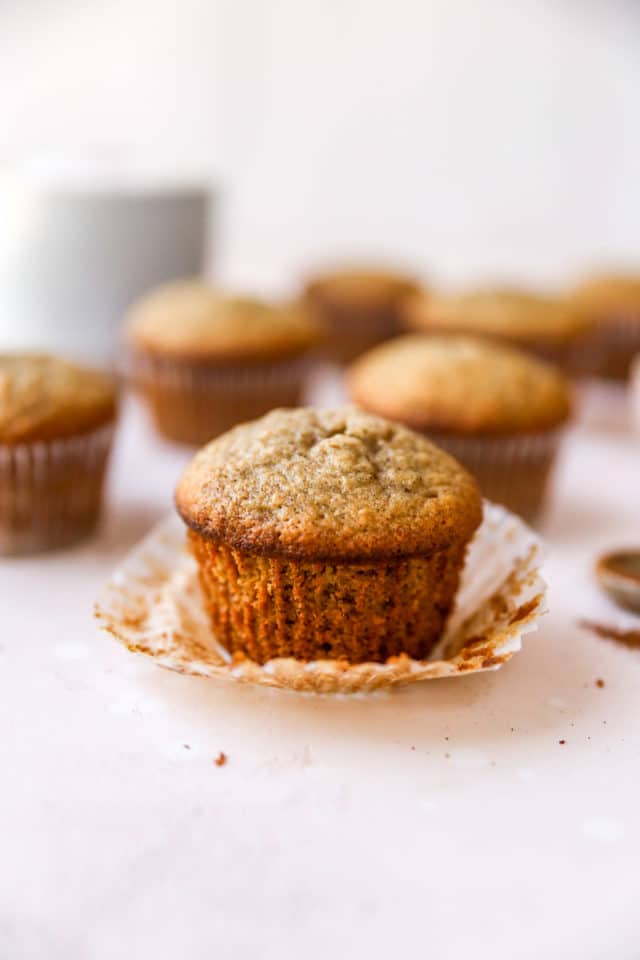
(610, 346)
(192, 402)
(512, 470)
(51, 490)
(546, 327)
(357, 309)
(154, 605)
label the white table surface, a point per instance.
(442, 820)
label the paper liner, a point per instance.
(610, 346)
(153, 605)
(193, 402)
(513, 470)
(51, 491)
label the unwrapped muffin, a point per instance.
(56, 426)
(610, 305)
(357, 308)
(204, 361)
(498, 410)
(549, 327)
(327, 534)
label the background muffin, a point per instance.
(551, 328)
(496, 409)
(327, 534)
(357, 308)
(56, 426)
(204, 361)
(610, 305)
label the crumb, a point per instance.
(186, 746)
(446, 738)
(413, 748)
(447, 755)
(513, 729)
(221, 759)
(600, 682)
(562, 742)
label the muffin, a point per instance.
(498, 410)
(56, 426)
(550, 328)
(357, 308)
(610, 306)
(327, 534)
(204, 361)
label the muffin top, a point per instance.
(328, 484)
(460, 384)
(363, 288)
(190, 320)
(46, 398)
(609, 294)
(496, 312)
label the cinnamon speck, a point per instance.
(600, 682)
(221, 759)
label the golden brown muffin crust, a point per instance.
(190, 320)
(46, 398)
(513, 314)
(360, 288)
(609, 294)
(328, 484)
(459, 384)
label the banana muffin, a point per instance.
(56, 426)
(357, 308)
(610, 304)
(204, 361)
(549, 327)
(327, 534)
(498, 410)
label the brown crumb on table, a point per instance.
(562, 742)
(221, 759)
(600, 682)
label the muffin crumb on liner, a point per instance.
(153, 604)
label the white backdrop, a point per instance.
(465, 137)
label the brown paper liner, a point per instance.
(192, 403)
(266, 607)
(610, 346)
(351, 332)
(154, 605)
(51, 491)
(511, 470)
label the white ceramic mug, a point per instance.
(72, 258)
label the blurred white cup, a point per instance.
(77, 249)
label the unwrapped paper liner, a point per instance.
(154, 606)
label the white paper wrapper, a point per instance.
(154, 606)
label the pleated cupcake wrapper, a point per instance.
(51, 491)
(513, 469)
(609, 347)
(153, 604)
(143, 369)
(192, 403)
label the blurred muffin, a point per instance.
(327, 534)
(56, 426)
(357, 308)
(496, 409)
(548, 327)
(205, 362)
(610, 305)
